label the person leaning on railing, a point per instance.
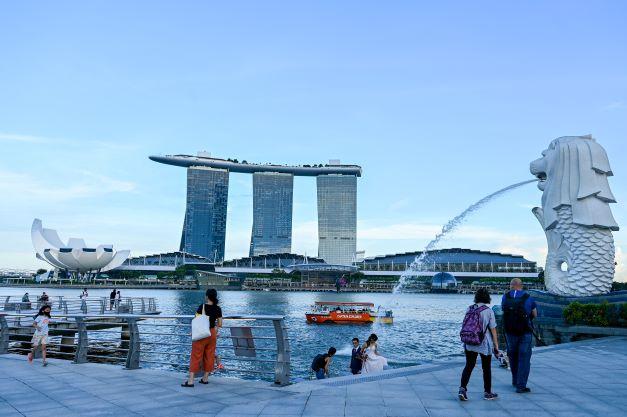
(204, 350)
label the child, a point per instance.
(41, 333)
(218, 363)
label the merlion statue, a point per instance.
(576, 216)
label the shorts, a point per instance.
(39, 340)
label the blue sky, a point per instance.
(440, 104)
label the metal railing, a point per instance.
(87, 305)
(247, 345)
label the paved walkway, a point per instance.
(574, 380)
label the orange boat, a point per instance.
(345, 313)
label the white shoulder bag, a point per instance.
(201, 326)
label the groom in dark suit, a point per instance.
(356, 361)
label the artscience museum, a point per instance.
(75, 257)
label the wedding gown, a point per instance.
(373, 362)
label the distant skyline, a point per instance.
(441, 104)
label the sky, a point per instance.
(441, 103)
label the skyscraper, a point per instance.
(273, 185)
(272, 213)
(337, 218)
(204, 230)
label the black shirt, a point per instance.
(320, 362)
(213, 311)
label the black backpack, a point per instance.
(314, 363)
(515, 318)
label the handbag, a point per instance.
(201, 326)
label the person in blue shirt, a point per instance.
(519, 310)
(356, 360)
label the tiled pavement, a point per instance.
(574, 380)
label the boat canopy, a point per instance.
(334, 303)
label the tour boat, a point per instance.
(346, 313)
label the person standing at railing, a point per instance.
(204, 350)
(112, 296)
(40, 337)
(84, 294)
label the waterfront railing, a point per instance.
(86, 305)
(254, 346)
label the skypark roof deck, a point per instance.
(250, 168)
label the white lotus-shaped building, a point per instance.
(75, 255)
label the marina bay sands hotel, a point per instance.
(204, 228)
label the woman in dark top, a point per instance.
(204, 350)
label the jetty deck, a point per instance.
(587, 378)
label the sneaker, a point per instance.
(463, 396)
(45, 364)
(522, 390)
(490, 396)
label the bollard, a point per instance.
(81, 346)
(4, 335)
(132, 358)
(282, 366)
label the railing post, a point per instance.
(132, 358)
(143, 306)
(4, 335)
(102, 306)
(282, 365)
(82, 342)
(60, 302)
(64, 307)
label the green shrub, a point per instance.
(604, 314)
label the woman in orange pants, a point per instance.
(205, 349)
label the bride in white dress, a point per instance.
(372, 362)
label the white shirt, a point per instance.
(42, 326)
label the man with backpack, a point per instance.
(519, 309)
(320, 364)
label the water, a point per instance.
(426, 326)
(418, 263)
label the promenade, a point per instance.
(587, 378)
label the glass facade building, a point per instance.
(204, 229)
(272, 213)
(337, 218)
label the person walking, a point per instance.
(320, 363)
(519, 310)
(204, 350)
(479, 337)
(356, 360)
(40, 337)
(372, 361)
(25, 298)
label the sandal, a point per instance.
(203, 382)
(187, 385)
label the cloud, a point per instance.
(19, 187)
(13, 137)
(399, 204)
(10, 137)
(615, 105)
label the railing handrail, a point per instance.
(132, 333)
(151, 316)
